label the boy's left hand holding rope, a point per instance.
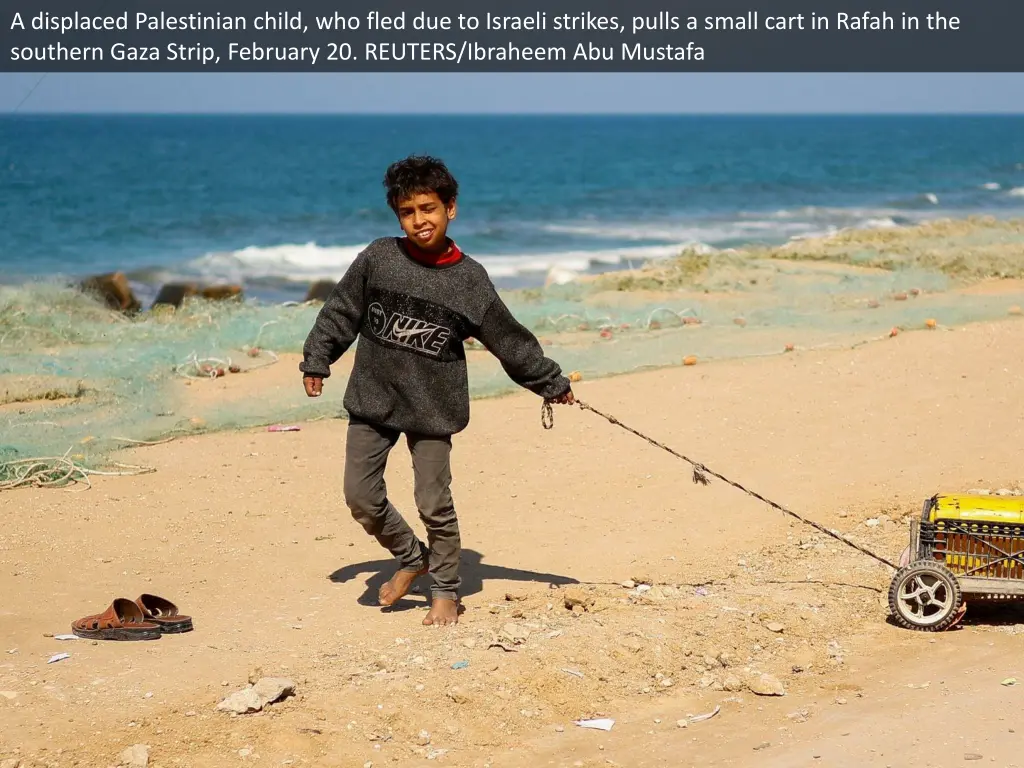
(547, 415)
(568, 398)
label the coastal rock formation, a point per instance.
(320, 290)
(174, 294)
(113, 290)
(222, 292)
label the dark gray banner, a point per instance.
(520, 36)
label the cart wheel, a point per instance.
(925, 596)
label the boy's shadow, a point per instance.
(472, 570)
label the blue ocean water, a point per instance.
(274, 202)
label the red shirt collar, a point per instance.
(452, 256)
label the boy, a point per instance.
(414, 301)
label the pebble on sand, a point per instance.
(136, 756)
(458, 696)
(267, 690)
(732, 684)
(766, 685)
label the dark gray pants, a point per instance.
(366, 458)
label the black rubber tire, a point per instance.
(940, 572)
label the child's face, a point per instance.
(424, 219)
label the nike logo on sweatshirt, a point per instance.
(407, 331)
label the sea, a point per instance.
(275, 202)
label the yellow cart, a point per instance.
(962, 547)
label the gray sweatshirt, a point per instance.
(409, 372)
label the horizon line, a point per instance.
(303, 113)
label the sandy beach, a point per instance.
(246, 531)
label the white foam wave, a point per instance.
(309, 262)
(1016, 192)
(824, 213)
(886, 222)
(300, 263)
(510, 266)
(636, 243)
(992, 185)
(704, 232)
(776, 227)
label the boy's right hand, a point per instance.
(314, 385)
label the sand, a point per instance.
(247, 532)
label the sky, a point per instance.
(514, 93)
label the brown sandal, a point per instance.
(123, 620)
(164, 614)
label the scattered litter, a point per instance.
(573, 672)
(1009, 681)
(65, 637)
(281, 428)
(702, 718)
(602, 724)
(505, 648)
(59, 657)
(921, 686)
(973, 756)
(701, 592)
(641, 588)
(460, 665)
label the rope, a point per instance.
(701, 476)
(57, 472)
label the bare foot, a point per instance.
(398, 587)
(442, 613)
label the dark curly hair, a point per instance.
(417, 175)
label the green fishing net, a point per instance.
(78, 382)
